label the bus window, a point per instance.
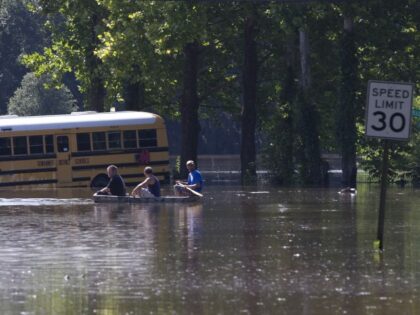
(36, 145)
(49, 144)
(20, 145)
(147, 138)
(114, 140)
(83, 142)
(130, 140)
(5, 146)
(99, 142)
(62, 143)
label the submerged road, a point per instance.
(240, 251)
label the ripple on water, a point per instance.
(31, 202)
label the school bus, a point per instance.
(75, 149)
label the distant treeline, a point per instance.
(282, 79)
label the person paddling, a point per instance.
(148, 188)
(193, 184)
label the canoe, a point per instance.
(130, 199)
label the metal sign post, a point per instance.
(382, 197)
(388, 117)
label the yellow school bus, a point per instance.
(75, 149)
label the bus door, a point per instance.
(64, 174)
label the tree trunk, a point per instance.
(346, 127)
(190, 126)
(96, 94)
(134, 90)
(96, 91)
(285, 126)
(134, 96)
(3, 100)
(249, 112)
(308, 117)
(305, 70)
(3, 105)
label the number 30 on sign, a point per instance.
(388, 110)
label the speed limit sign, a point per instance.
(388, 111)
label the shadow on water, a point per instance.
(241, 250)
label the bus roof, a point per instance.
(75, 120)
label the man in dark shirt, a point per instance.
(116, 185)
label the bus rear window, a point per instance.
(83, 142)
(49, 144)
(147, 138)
(5, 146)
(114, 140)
(36, 145)
(99, 141)
(20, 146)
(130, 139)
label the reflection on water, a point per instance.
(240, 251)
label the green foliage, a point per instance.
(404, 159)
(75, 26)
(391, 55)
(176, 171)
(278, 151)
(33, 98)
(143, 43)
(134, 56)
(137, 48)
(400, 166)
(20, 32)
(413, 165)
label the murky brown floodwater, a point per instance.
(253, 251)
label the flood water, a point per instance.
(240, 251)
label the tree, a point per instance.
(279, 151)
(288, 72)
(295, 52)
(32, 98)
(176, 48)
(20, 32)
(388, 50)
(346, 119)
(306, 112)
(249, 107)
(75, 27)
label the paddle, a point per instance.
(193, 191)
